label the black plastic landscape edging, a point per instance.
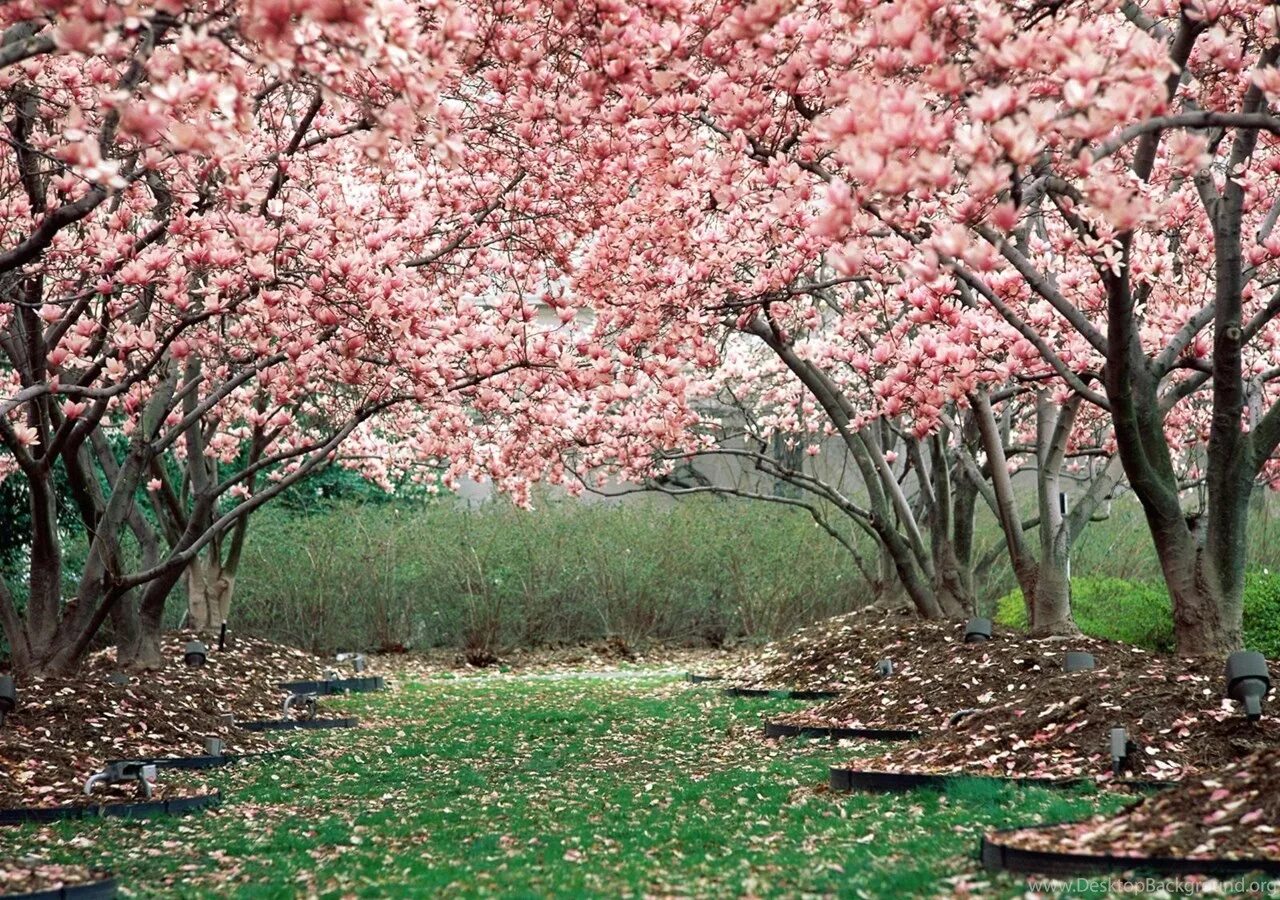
(782, 729)
(779, 695)
(103, 889)
(203, 762)
(332, 686)
(997, 856)
(287, 724)
(150, 809)
(701, 679)
(901, 782)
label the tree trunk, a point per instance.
(146, 652)
(1207, 602)
(209, 590)
(1050, 604)
(949, 584)
(125, 628)
(1051, 613)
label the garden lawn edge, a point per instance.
(149, 809)
(331, 686)
(287, 724)
(204, 762)
(873, 782)
(835, 733)
(779, 694)
(1000, 857)
(102, 889)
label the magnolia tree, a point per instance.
(1103, 170)
(1042, 431)
(244, 242)
(1100, 176)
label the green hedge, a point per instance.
(1140, 614)
(424, 575)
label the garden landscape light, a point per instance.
(8, 696)
(122, 771)
(1248, 681)
(977, 630)
(196, 654)
(307, 701)
(1078, 662)
(1122, 750)
(884, 668)
(222, 637)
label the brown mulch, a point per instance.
(1059, 725)
(29, 877)
(65, 729)
(837, 653)
(1233, 815)
(601, 656)
(941, 675)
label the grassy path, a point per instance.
(572, 787)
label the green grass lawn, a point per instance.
(576, 787)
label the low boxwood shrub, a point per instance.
(1139, 613)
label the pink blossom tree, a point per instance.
(242, 243)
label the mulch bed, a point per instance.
(1234, 815)
(26, 878)
(65, 729)
(836, 653)
(1059, 725)
(936, 674)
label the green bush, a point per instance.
(1140, 614)
(1113, 608)
(423, 575)
(1262, 612)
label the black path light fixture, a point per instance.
(222, 637)
(884, 668)
(1078, 661)
(1248, 681)
(8, 697)
(195, 654)
(977, 631)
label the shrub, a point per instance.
(701, 572)
(1113, 608)
(1139, 613)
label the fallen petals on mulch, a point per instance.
(837, 653)
(65, 729)
(1057, 725)
(1233, 815)
(936, 674)
(26, 878)
(602, 656)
